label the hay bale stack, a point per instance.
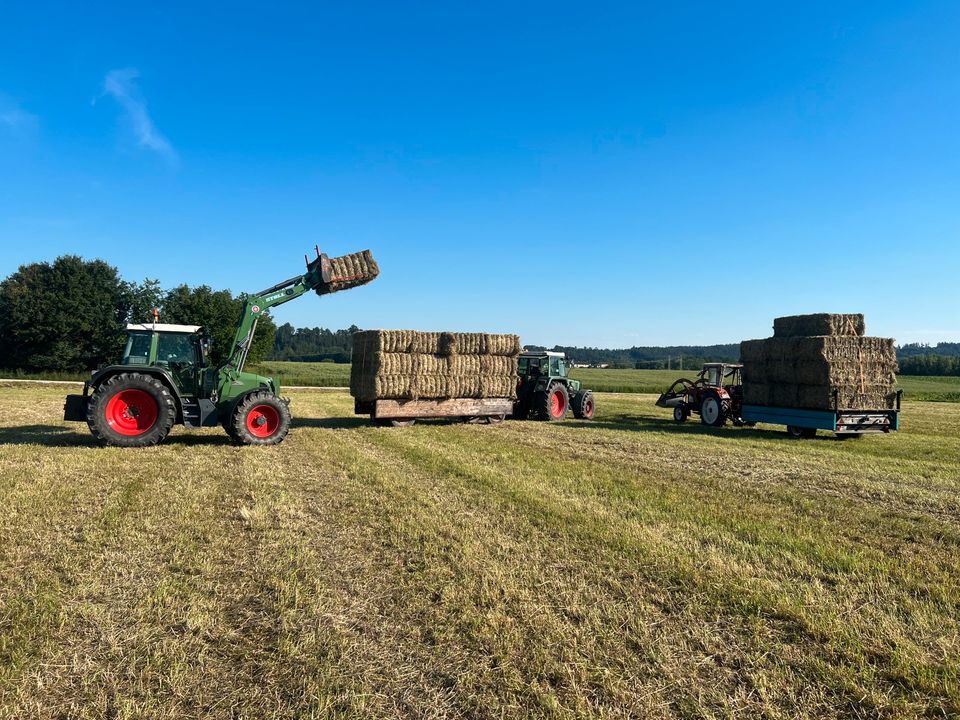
(804, 371)
(412, 365)
(349, 271)
(819, 324)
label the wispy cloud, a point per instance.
(121, 86)
(14, 120)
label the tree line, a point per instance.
(70, 315)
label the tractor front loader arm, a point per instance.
(323, 275)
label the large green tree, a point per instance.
(62, 316)
(219, 312)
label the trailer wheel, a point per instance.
(552, 405)
(801, 433)
(713, 410)
(261, 418)
(681, 413)
(131, 410)
(396, 422)
(496, 419)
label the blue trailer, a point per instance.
(805, 423)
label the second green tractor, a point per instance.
(545, 392)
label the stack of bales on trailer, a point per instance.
(412, 365)
(820, 362)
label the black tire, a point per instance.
(681, 413)
(496, 419)
(801, 433)
(261, 418)
(583, 405)
(227, 425)
(714, 410)
(552, 404)
(396, 422)
(131, 410)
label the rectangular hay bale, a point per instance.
(837, 324)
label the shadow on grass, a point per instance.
(45, 435)
(63, 436)
(330, 423)
(691, 427)
(353, 422)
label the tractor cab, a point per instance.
(550, 364)
(720, 375)
(180, 349)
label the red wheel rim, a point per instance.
(558, 404)
(263, 420)
(588, 408)
(132, 412)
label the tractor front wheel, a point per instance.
(261, 418)
(552, 404)
(713, 410)
(131, 410)
(681, 413)
(583, 405)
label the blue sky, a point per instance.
(581, 173)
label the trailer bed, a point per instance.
(842, 422)
(388, 409)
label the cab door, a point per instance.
(179, 354)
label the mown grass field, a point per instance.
(628, 567)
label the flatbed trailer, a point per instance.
(844, 422)
(407, 412)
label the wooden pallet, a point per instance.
(451, 407)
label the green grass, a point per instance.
(305, 373)
(628, 567)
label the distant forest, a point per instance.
(323, 345)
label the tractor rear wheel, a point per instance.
(583, 405)
(713, 410)
(131, 410)
(553, 403)
(261, 418)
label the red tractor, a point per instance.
(716, 395)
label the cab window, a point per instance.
(138, 349)
(522, 365)
(176, 349)
(554, 366)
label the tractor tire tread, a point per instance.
(239, 432)
(542, 401)
(96, 410)
(583, 405)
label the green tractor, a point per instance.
(545, 391)
(164, 377)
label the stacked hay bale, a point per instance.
(412, 365)
(810, 357)
(349, 271)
